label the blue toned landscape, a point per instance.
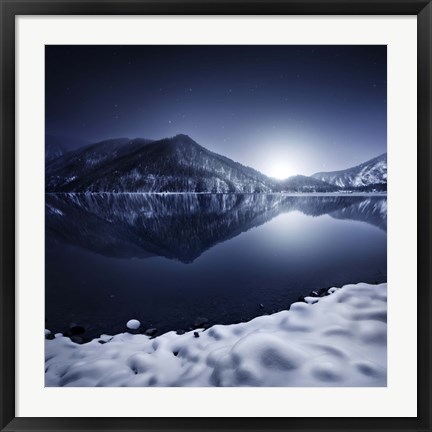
(216, 216)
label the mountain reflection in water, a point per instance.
(203, 257)
(184, 226)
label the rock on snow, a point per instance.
(133, 324)
(339, 341)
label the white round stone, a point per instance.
(133, 324)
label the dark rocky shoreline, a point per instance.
(76, 332)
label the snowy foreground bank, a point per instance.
(340, 340)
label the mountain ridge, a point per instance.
(174, 164)
(369, 173)
(56, 146)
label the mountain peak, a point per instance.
(184, 140)
(181, 144)
(183, 136)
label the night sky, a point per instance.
(283, 110)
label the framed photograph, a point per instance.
(215, 216)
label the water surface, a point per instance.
(168, 259)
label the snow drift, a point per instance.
(337, 340)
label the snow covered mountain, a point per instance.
(63, 173)
(368, 174)
(179, 164)
(176, 164)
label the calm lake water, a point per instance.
(168, 259)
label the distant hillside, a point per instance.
(300, 183)
(56, 146)
(372, 172)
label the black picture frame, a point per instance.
(9, 9)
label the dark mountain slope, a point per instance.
(175, 164)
